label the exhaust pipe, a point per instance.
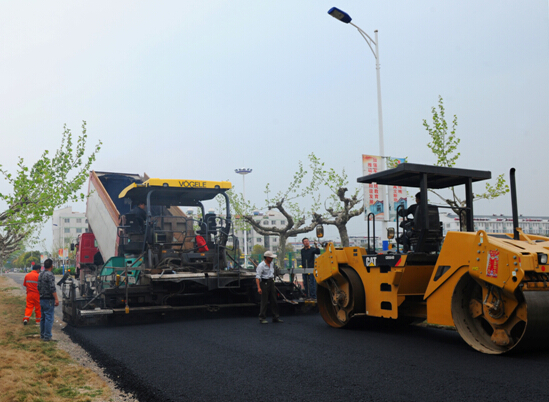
(516, 235)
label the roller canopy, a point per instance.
(175, 192)
(409, 175)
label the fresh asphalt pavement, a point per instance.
(229, 356)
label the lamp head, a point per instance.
(340, 15)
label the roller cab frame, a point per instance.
(492, 287)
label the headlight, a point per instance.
(542, 259)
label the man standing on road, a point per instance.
(266, 288)
(308, 261)
(33, 297)
(48, 300)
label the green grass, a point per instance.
(38, 371)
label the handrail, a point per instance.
(370, 251)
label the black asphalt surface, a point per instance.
(229, 356)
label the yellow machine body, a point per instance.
(492, 287)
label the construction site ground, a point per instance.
(229, 356)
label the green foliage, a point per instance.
(287, 202)
(24, 259)
(340, 208)
(443, 143)
(259, 249)
(38, 190)
(500, 188)
(332, 180)
(394, 162)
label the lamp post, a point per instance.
(346, 18)
(244, 172)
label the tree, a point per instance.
(444, 145)
(39, 190)
(340, 208)
(286, 203)
(25, 259)
(258, 249)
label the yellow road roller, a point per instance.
(492, 287)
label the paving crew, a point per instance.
(33, 297)
(48, 299)
(266, 288)
(308, 261)
(140, 211)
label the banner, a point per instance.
(374, 193)
(397, 195)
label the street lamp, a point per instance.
(244, 172)
(346, 18)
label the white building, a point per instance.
(269, 219)
(499, 223)
(67, 225)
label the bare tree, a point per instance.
(286, 203)
(339, 207)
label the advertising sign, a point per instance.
(373, 193)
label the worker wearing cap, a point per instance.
(33, 296)
(266, 288)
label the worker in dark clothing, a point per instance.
(141, 214)
(140, 210)
(408, 224)
(48, 300)
(98, 259)
(411, 210)
(308, 261)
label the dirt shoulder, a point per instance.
(32, 370)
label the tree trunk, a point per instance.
(343, 235)
(282, 250)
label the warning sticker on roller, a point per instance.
(492, 264)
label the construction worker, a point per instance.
(33, 297)
(308, 261)
(48, 300)
(266, 287)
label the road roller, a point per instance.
(492, 287)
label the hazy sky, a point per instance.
(195, 89)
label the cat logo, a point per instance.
(371, 261)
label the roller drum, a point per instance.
(525, 328)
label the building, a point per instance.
(270, 218)
(499, 223)
(67, 225)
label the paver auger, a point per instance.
(493, 287)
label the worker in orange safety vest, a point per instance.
(33, 297)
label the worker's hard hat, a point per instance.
(269, 254)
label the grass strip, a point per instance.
(35, 371)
